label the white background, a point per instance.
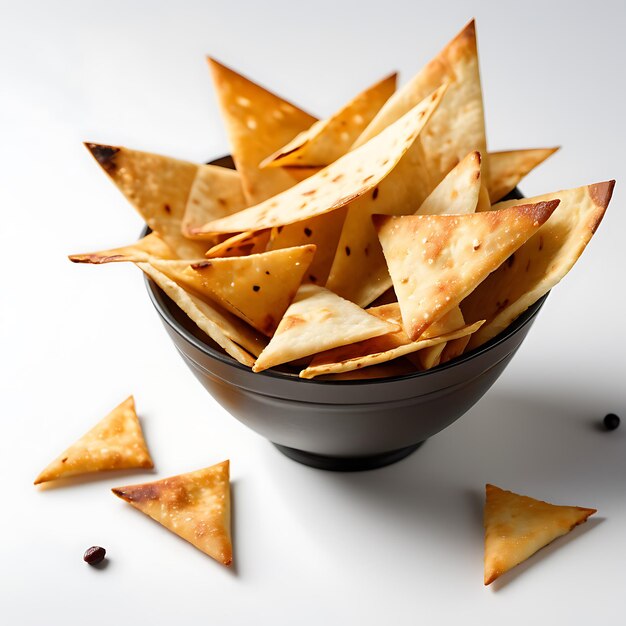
(401, 544)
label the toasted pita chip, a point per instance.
(116, 442)
(375, 351)
(318, 320)
(458, 126)
(257, 288)
(458, 192)
(348, 178)
(484, 202)
(194, 506)
(359, 271)
(437, 260)
(541, 262)
(391, 369)
(258, 123)
(228, 331)
(215, 192)
(157, 186)
(323, 231)
(242, 244)
(455, 348)
(506, 169)
(329, 139)
(517, 526)
(147, 247)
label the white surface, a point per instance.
(402, 544)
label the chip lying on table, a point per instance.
(389, 201)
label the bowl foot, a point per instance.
(348, 464)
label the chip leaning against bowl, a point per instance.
(394, 199)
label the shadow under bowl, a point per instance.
(342, 425)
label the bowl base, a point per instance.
(347, 464)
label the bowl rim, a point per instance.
(157, 296)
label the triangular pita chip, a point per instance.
(517, 526)
(257, 288)
(484, 202)
(242, 244)
(258, 123)
(458, 126)
(323, 231)
(194, 506)
(391, 369)
(381, 349)
(157, 186)
(329, 139)
(318, 320)
(351, 176)
(541, 262)
(147, 247)
(506, 169)
(228, 331)
(215, 192)
(455, 348)
(437, 260)
(116, 442)
(359, 271)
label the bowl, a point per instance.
(342, 425)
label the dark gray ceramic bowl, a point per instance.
(342, 424)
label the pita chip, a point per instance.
(385, 348)
(215, 192)
(257, 288)
(342, 182)
(147, 247)
(390, 369)
(506, 169)
(242, 244)
(329, 139)
(437, 260)
(235, 337)
(157, 186)
(517, 526)
(458, 126)
(318, 320)
(116, 442)
(258, 123)
(484, 202)
(194, 506)
(541, 262)
(323, 231)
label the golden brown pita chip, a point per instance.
(215, 192)
(194, 506)
(437, 260)
(257, 288)
(458, 125)
(484, 202)
(375, 351)
(242, 244)
(258, 123)
(541, 262)
(517, 526)
(391, 369)
(116, 442)
(157, 186)
(228, 331)
(323, 231)
(351, 176)
(359, 270)
(147, 247)
(318, 320)
(329, 139)
(506, 169)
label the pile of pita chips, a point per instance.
(116, 442)
(195, 506)
(393, 199)
(517, 526)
